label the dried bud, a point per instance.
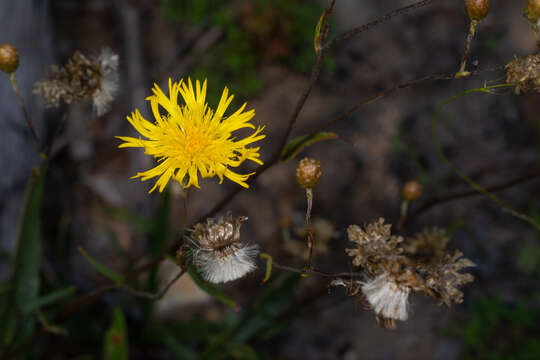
(477, 9)
(308, 172)
(412, 190)
(524, 71)
(9, 58)
(532, 11)
(219, 254)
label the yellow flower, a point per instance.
(190, 138)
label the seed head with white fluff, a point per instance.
(218, 252)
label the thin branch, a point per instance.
(153, 296)
(370, 25)
(470, 193)
(315, 271)
(27, 118)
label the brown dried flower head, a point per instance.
(532, 12)
(9, 58)
(427, 246)
(524, 71)
(376, 248)
(82, 78)
(219, 254)
(308, 172)
(411, 191)
(444, 278)
(477, 9)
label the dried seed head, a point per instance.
(9, 58)
(524, 71)
(219, 254)
(427, 246)
(308, 172)
(411, 191)
(532, 12)
(82, 78)
(388, 299)
(477, 9)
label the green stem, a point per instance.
(464, 177)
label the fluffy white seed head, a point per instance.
(387, 299)
(218, 252)
(108, 88)
(220, 266)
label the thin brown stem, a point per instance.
(470, 193)
(470, 36)
(153, 296)
(25, 111)
(315, 271)
(370, 25)
(309, 230)
(184, 195)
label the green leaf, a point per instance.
(138, 221)
(48, 299)
(116, 340)
(243, 352)
(102, 269)
(211, 289)
(299, 143)
(25, 263)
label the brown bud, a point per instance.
(532, 11)
(477, 9)
(9, 58)
(412, 190)
(308, 172)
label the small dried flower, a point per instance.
(219, 254)
(427, 246)
(308, 172)
(388, 299)
(477, 9)
(9, 58)
(524, 71)
(375, 248)
(82, 78)
(411, 191)
(443, 278)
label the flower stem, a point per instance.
(472, 31)
(310, 241)
(25, 112)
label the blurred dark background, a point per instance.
(263, 51)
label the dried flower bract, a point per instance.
(524, 71)
(308, 172)
(218, 252)
(81, 79)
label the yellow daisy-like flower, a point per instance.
(190, 138)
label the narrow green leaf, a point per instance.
(26, 261)
(173, 343)
(211, 289)
(102, 269)
(268, 266)
(299, 143)
(116, 340)
(140, 222)
(48, 299)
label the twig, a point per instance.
(315, 271)
(470, 193)
(153, 296)
(370, 25)
(25, 111)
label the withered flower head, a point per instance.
(375, 248)
(219, 254)
(387, 298)
(532, 12)
(427, 246)
(308, 172)
(9, 58)
(82, 78)
(477, 9)
(444, 278)
(524, 71)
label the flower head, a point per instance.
(191, 139)
(82, 78)
(218, 252)
(9, 58)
